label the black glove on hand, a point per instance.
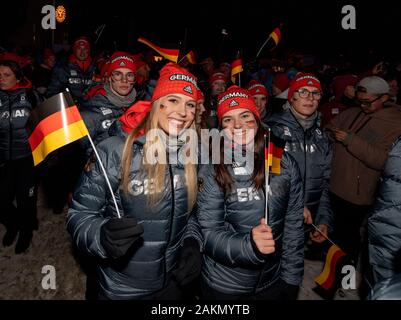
(189, 263)
(118, 234)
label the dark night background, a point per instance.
(309, 26)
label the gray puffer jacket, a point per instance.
(384, 223)
(231, 264)
(165, 226)
(312, 151)
(15, 108)
(98, 114)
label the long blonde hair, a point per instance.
(156, 172)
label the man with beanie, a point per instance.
(217, 85)
(77, 74)
(363, 137)
(42, 74)
(305, 141)
(115, 96)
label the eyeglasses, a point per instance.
(305, 93)
(366, 103)
(119, 76)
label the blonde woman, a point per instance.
(143, 254)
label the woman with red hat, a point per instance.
(245, 256)
(17, 176)
(150, 251)
(261, 96)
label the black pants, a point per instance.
(348, 219)
(17, 181)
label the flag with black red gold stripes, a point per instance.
(54, 124)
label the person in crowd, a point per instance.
(363, 136)
(343, 95)
(17, 174)
(200, 110)
(280, 84)
(42, 74)
(109, 103)
(261, 96)
(392, 81)
(151, 250)
(245, 256)
(311, 148)
(76, 75)
(217, 85)
(384, 223)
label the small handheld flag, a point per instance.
(275, 35)
(54, 124)
(191, 57)
(327, 277)
(236, 68)
(169, 54)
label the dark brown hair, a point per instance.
(15, 68)
(223, 176)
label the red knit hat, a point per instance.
(139, 60)
(303, 80)
(217, 75)
(47, 53)
(281, 81)
(81, 42)
(255, 87)
(235, 98)
(120, 59)
(174, 79)
(201, 96)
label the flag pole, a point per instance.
(263, 45)
(267, 174)
(105, 175)
(326, 237)
(103, 170)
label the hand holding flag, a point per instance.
(55, 123)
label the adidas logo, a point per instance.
(188, 89)
(234, 103)
(122, 64)
(310, 83)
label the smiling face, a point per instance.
(305, 106)
(176, 112)
(237, 124)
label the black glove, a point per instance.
(189, 263)
(118, 234)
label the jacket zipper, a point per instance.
(11, 129)
(171, 222)
(357, 185)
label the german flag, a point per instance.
(191, 57)
(273, 155)
(276, 35)
(326, 279)
(236, 67)
(169, 54)
(54, 124)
